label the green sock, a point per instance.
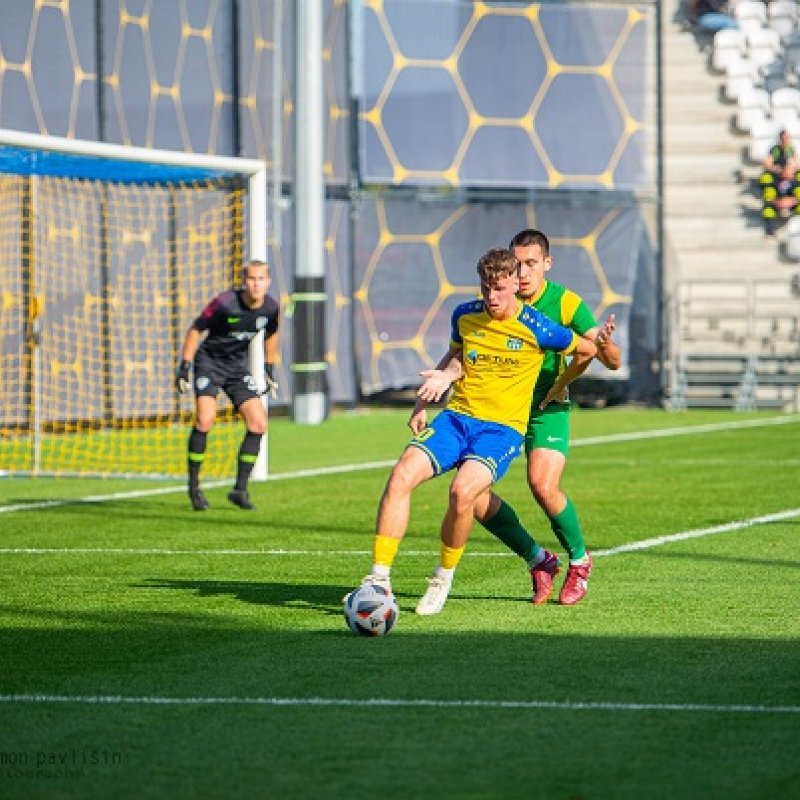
(505, 525)
(568, 531)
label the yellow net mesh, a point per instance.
(100, 281)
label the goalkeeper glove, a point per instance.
(182, 380)
(272, 385)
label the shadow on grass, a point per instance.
(325, 598)
(222, 515)
(310, 655)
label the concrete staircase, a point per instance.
(712, 222)
(718, 260)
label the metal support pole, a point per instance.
(309, 366)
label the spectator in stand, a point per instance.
(780, 183)
(710, 16)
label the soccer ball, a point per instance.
(370, 610)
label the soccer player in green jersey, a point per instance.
(547, 434)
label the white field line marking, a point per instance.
(315, 473)
(656, 541)
(644, 544)
(689, 430)
(102, 498)
(389, 702)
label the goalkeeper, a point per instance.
(216, 347)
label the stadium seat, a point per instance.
(764, 46)
(742, 76)
(793, 238)
(762, 137)
(747, 10)
(729, 45)
(786, 117)
(786, 97)
(782, 17)
(753, 106)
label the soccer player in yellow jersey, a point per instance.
(502, 343)
(547, 434)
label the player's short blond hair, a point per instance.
(255, 263)
(497, 263)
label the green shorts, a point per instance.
(549, 429)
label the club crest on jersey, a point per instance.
(512, 343)
(472, 356)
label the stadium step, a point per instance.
(711, 211)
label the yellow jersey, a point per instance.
(502, 360)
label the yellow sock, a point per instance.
(384, 549)
(449, 556)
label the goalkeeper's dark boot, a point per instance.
(239, 497)
(199, 502)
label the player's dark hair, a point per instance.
(528, 237)
(497, 263)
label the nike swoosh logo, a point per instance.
(554, 439)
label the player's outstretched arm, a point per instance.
(609, 353)
(585, 351)
(437, 381)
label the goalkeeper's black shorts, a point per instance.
(232, 376)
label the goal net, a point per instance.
(107, 254)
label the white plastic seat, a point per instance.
(730, 37)
(782, 8)
(763, 46)
(785, 97)
(750, 9)
(763, 37)
(749, 25)
(749, 117)
(794, 129)
(793, 238)
(762, 137)
(783, 26)
(753, 106)
(729, 45)
(742, 76)
(785, 117)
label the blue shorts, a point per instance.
(452, 438)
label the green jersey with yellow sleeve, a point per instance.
(568, 309)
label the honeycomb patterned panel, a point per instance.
(48, 70)
(170, 75)
(506, 94)
(415, 262)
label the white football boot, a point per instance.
(432, 602)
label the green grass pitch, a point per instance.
(149, 651)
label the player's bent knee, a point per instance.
(544, 492)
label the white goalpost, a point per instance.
(107, 253)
